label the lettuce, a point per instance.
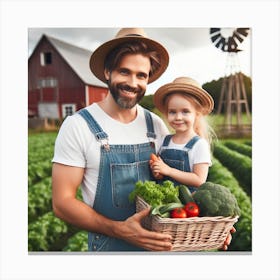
(155, 194)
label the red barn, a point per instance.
(59, 80)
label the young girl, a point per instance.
(185, 156)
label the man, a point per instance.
(105, 148)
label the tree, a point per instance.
(147, 102)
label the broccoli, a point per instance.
(216, 200)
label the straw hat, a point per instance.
(125, 35)
(188, 86)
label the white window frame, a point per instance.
(65, 106)
(43, 58)
(48, 82)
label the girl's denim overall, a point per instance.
(178, 159)
(121, 166)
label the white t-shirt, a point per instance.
(77, 146)
(200, 152)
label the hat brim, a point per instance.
(97, 59)
(203, 97)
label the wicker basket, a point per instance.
(190, 234)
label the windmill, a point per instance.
(233, 94)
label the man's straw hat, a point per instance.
(188, 86)
(125, 35)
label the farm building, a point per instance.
(59, 80)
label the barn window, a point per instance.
(68, 110)
(46, 58)
(47, 83)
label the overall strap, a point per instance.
(166, 140)
(150, 125)
(93, 125)
(190, 144)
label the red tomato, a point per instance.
(192, 209)
(178, 213)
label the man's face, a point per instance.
(127, 83)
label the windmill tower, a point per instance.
(233, 94)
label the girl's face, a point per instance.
(181, 113)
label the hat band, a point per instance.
(128, 35)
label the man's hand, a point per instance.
(132, 231)
(228, 239)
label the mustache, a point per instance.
(129, 88)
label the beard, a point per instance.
(123, 101)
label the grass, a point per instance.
(217, 120)
(223, 130)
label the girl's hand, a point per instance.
(157, 175)
(161, 167)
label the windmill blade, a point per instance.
(214, 30)
(222, 43)
(236, 35)
(216, 37)
(243, 31)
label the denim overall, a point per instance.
(178, 159)
(121, 166)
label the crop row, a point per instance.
(39, 199)
(45, 232)
(242, 239)
(240, 165)
(38, 170)
(241, 148)
(77, 243)
(40, 153)
(40, 147)
(49, 233)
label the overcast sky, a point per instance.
(191, 50)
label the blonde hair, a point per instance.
(201, 126)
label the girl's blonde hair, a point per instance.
(201, 125)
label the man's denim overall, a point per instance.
(121, 166)
(178, 159)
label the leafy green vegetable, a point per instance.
(155, 194)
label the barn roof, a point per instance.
(78, 59)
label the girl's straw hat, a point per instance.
(186, 85)
(126, 35)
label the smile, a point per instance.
(128, 90)
(128, 94)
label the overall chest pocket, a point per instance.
(124, 177)
(174, 158)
